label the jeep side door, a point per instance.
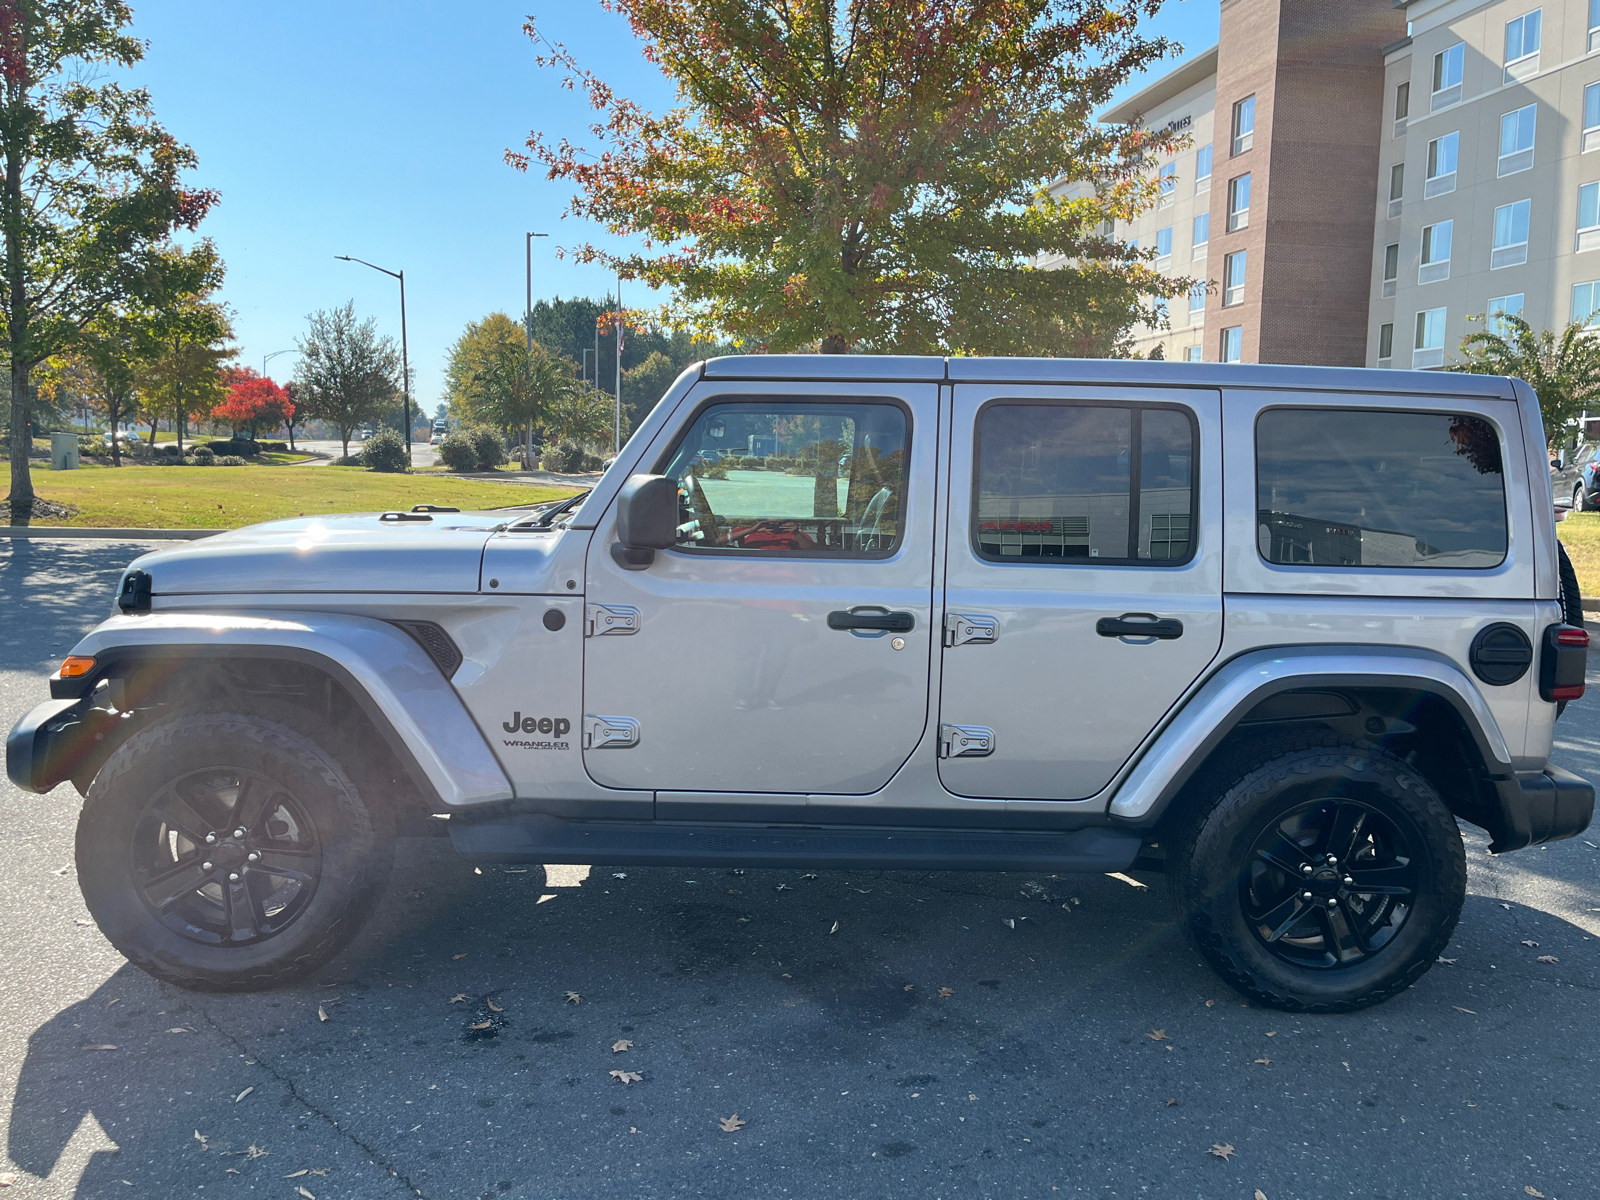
(1083, 581)
(783, 645)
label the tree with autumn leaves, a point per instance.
(254, 401)
(873, 174)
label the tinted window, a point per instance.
(1345, 488)
(784, 477)
(1055, 483)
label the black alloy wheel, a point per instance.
(1316, 874)
(226, 857)
(232, 851)
(1330, 884)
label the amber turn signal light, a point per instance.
(75, 666)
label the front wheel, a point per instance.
(1325, 879)
(229, 852)
(1580, 499)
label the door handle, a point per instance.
(1147, 625)
(877, 619)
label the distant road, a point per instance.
(422, 454)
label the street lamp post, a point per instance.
(616, 436)
(405, 365)
(266, 358)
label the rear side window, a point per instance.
(1353, 488)
(1065, 483)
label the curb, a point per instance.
(25, 532)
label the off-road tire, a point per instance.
(353, 833)
(1212, 848)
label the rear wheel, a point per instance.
(1580, 499)
(1325, 879)
(228, 852)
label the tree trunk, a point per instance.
(21, 444)
(113, 412)
(834, 343)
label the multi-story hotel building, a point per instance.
(1369, 180)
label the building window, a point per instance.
(1164, 248)
(1510, 235)
(1162, 318)
(1441, 165)
(1397, 186)
(1238, 203)
(1435, 252)
(1197, 297)
(1196, 354)
(1594, 25)
(1391, 267)
(1233, 344)
(1133, 244)
(1402, 107)
(1167, 182)
(1202, 234)
(1428, 349)
(1244, 124)
(1233, 279)
(1202, 168)
(1589, 217)
(1447, 66)
(1501, 307)
(1516, 140)
(1591, 116)
(1586, 304)
(1385, 343)
(1522, 46)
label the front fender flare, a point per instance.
(1218, 706)
(400, 689)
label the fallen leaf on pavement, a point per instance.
(835, 928)
(243, 1094)
(735, 892)
(1265, 1062)
(1260, 1195)
(233, 1171)
(741, 920)
(180, 1029)
(1532, 1191)
(782, 887)
(627, 1076)
(1468, 1011)
(574, 998)
(1127, 879)
(946, 993)
(9, 1179)
(619, 874)
(106, 1046)
(1158, 1035)
(1008, 922)
(1272, 1033)
(457, 957)
(1547, 958)
(202, 1139)
(493, 1007)
(621, 1044)
(256, 1151)
(457, 998)
(972, 1095)
(1529, 942)
(1223, 1151)
(910, 987)
(297, 1174)
(304, 1194)
(322, 1013)
(1211, 1003)
(731, 1124)
(1172, 1102)
(808, 875)
(481, 1025)
(1449, 962)
(81, 921)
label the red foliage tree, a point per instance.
(253, 401)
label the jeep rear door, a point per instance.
(1083, 580)
(783, 646)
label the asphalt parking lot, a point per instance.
(960, 1035)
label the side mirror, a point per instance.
(1555, 464)
(647, 520)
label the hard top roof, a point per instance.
(1135, 372)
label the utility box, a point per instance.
(63, 452)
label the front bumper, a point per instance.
(1542, 806)
(60, 739)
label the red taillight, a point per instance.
(1575, 692)
(1571, 635)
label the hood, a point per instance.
(352, 552)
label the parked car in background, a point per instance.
(1574, 481)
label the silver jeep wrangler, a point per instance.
(1271, 630)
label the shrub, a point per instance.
(204, 456)
(273, 447)
(716, 470)
(385, 451)
(458, 452)
(491, 450)
(241, 446)
(565, 459)
(231, 460)
(170, 460)
(348, 460)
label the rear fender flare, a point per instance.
(1217, 707)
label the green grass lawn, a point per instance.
(228, 497)
(1580, 533)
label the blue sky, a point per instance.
(378, 130)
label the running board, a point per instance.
(540, 838)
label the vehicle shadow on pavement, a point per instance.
(56, 591)
(885, 1033)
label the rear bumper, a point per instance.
(1543, 806)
